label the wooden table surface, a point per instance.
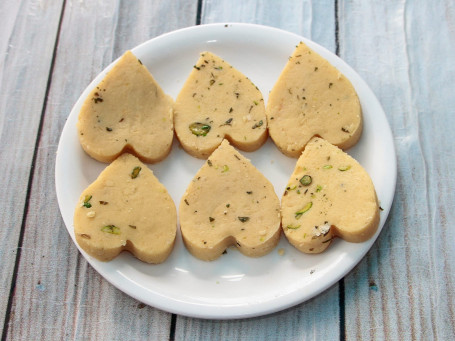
(403, 289)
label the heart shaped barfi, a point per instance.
(217, 101)
(328, 195)
(312, 98)
(127, 112)
(229, 202)
(126, 208)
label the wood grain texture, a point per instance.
(26, 44)
(318, 318)
(403, 289)
(58, 295)
(312, 19)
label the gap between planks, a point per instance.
(30, 180)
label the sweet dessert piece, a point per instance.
(127, 112)
(217, 102)
(312, 98)
(229, 202)
(328, 195)
(126, 208)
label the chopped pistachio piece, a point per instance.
(306, 180)
(135, 172)
(111, 229)
(257, 125)
(344, 168)
(306, 208)
(86, 203)
(199, 129)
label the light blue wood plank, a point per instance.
(404, 288)
(58, 295)
(314, 20)
(312, 320)
(26, 43)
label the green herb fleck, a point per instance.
(112, 229)
(228, 122)
(212, 81)
(135, 172)
(306, 180)
(209, 163)
(108, 129)
(225, 169)
(249, 192)
(243, 219)
(199, 129)
(228, 205)
(307, 207)
(327, 166)
(318, 188)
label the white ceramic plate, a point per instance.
(233, 286)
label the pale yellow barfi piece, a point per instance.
(127, 112)
(229, 202)
(216, 102)
(126, 208)
(312, 98)
(328, 195)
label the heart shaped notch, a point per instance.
(217, 101)
(328, 195)
(127, 112)
(126, 208)
(229, 202)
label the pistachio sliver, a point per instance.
(306, 208)
(112, 229)
(293, 227)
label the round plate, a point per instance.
(234, 286)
